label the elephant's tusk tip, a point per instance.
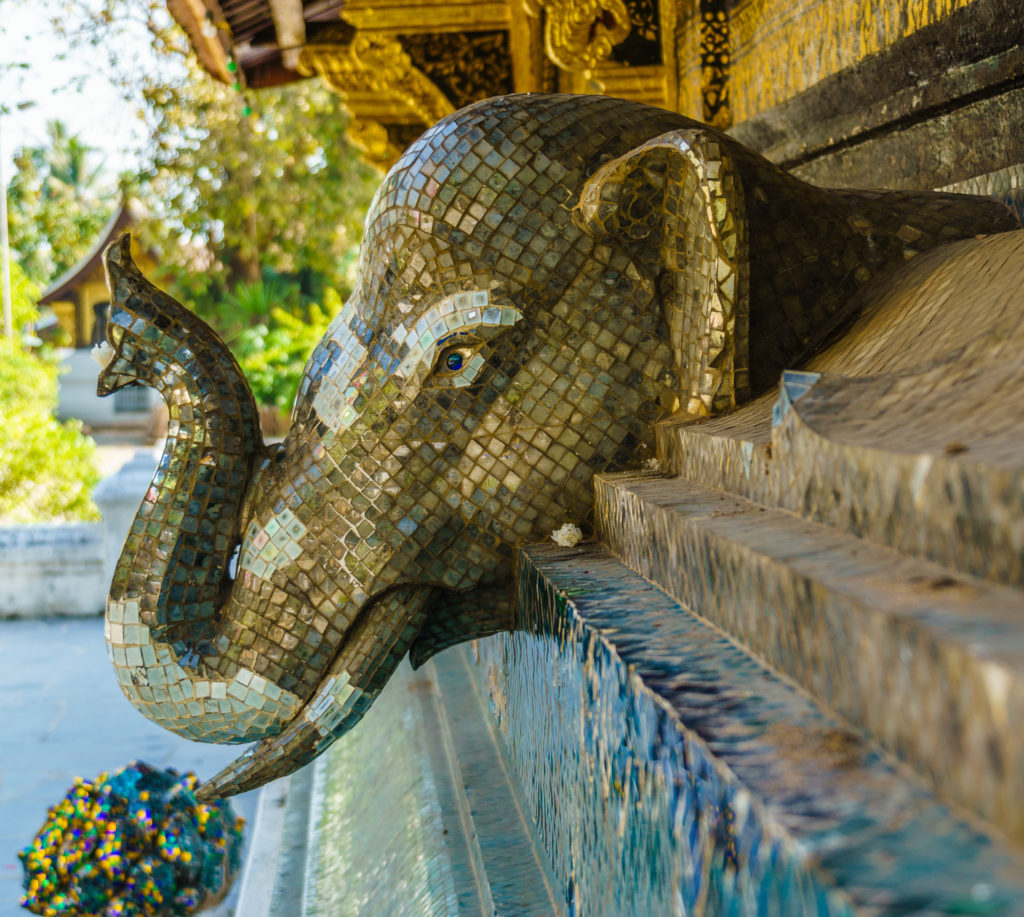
(227, 783)
(267, 760)
(209, 792)
(233, 779)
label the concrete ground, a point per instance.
(115, 446)
(61, 716)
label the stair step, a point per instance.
(824, 461)
(670, 772)
(904, 432)
(930, 664)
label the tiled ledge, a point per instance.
(415, 811)
(670, 773)
(930, 665)
(617, 755)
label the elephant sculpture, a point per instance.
(541, 279)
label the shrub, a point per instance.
(47, 468)
(273, 355)
(134, 843)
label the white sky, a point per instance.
(76, 89)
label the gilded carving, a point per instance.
(465, 66)
(373, 139)
(380, 84)
(714, 62)
(642, 46)
(581, 35)
(375, 64)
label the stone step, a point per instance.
(818, 455)
(905, 431)
(930, 664)
(669, 772)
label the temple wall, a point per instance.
(782, 49)
(910, 95)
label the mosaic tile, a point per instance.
(927, 664)
(670, 773)
(445, 809)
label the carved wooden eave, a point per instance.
(381, 88)
(211, 43)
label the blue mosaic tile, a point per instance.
(670, 773)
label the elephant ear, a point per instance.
(676, 206)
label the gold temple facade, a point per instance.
(812, 84)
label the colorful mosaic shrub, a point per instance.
(134, 843)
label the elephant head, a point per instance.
(541, 277)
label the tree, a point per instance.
(279, 190)
(57, 203)
(257, 199)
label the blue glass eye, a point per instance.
(453, 361)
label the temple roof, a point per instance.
(262, 36)
(126, 216)
(402, 65)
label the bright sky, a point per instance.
(76, 89)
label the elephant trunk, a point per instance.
(171, 582)
(183, 634)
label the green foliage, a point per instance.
(24, 294)
(279, 191)
(256, 198)
(247, 306)
(57, 204)
(47, 469)
(273, 355)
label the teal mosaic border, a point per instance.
(670, 773)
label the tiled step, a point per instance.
(671, 773)
(918, 483)
(929, 663)
(906, 431)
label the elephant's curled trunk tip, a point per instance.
(119, 253)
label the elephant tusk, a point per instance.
(268, 760)
(455, 617)
(376, 645)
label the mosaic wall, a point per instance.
(780, 50)
(440, 831)
(542, 277)
(903, 457)
(669, 773)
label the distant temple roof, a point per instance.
(126, 216)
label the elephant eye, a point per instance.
(458, 365)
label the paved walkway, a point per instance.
(61, 716)
(115, 447)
